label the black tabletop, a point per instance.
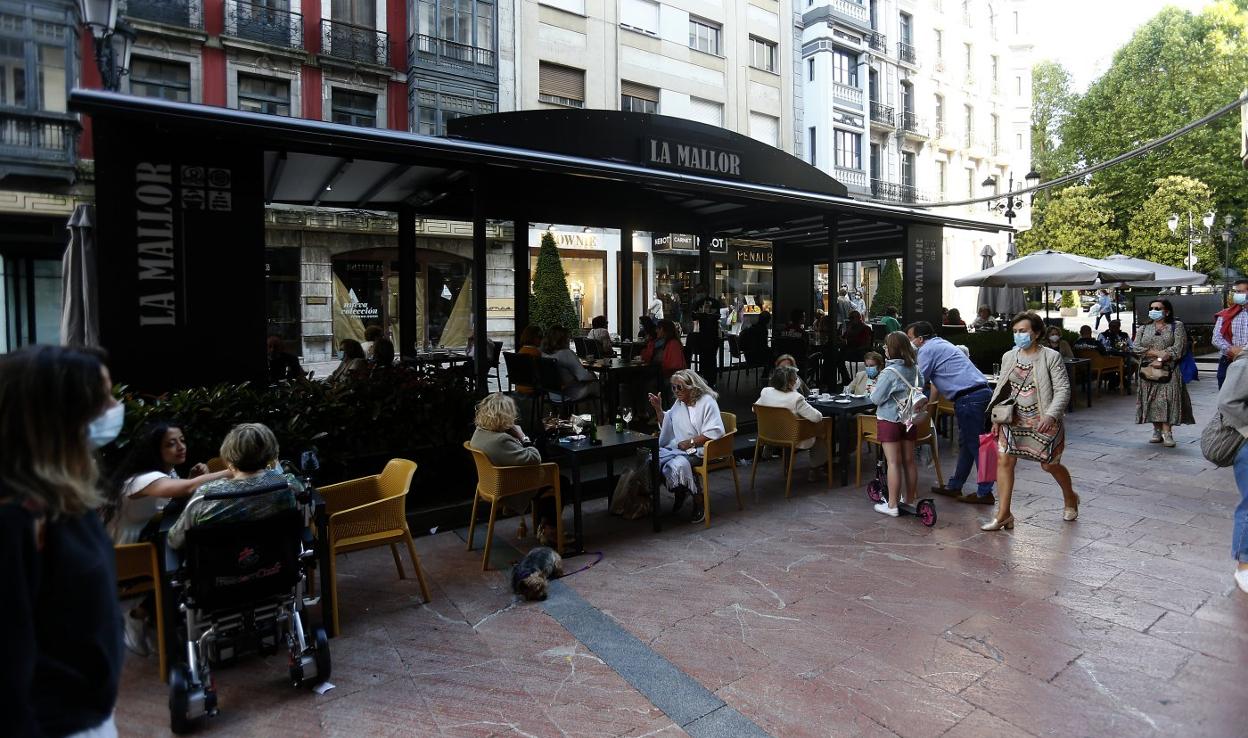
(615, 363)
(610, 439)
(854, 406)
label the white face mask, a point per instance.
(1240, 298)
(106, 427)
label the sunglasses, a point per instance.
(678, 387)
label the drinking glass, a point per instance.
(627, 415)
(996, 369)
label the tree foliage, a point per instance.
(1149, 236)
(551, 304)
(888, 291)
(1077, 220)
(1051, 104)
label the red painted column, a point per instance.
(88, 79)
(311, 10)
(396, 23)
(396, 104)
(312, 102)
(214, 58)
(311, 76)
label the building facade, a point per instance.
(919, 101)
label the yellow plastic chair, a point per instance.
(718, 455)
(216, 464)
(370, 512)
(868, 432)
(138, 574)
(1102, 365)
(496, 483)
(778, 426)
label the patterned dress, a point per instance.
(1021, 438)
(1163, 402)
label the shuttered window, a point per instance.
(706, 111)
(635, 98)
(561, 85)
(640, 15)
(765, 128)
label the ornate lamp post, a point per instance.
(1009, 204)
(1193, 234)
(114, 39)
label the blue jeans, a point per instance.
(970, 410)
(1239, 536)
(1223, 363)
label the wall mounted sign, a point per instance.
(685, 242)
(691, 157)
(752, 254)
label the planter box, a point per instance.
(1070, 312)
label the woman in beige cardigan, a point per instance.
(1035, 379)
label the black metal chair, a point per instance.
(522, 372)
(495, 352)
(552, 388)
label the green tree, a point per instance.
(888, 291)
(1077, 220)
(1051, 103)
(1070, 299)
(1149, 236)
(551, 304)
(1175, 69)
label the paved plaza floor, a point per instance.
(812, 616)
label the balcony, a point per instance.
(851, 9)
(846, 95)
(882, 114)
(850, 177)
(439, 53)
(179, 13)
(894, 192)
(37, 144)
(850, 12)
(265, 24)
(878, 42)
(906, 53)
(342, 40)
(911, 124)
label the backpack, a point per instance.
(912, 408)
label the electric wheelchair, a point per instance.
(241, 587)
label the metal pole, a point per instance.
(520, 278)
(625, 299)
(480, 334)
(408, 308)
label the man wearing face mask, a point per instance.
(952, 375)
(1230, 331)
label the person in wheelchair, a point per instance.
(250, 451)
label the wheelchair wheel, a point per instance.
(179, 700)
(321, 654)
(926, 510)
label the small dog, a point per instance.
(530, 577)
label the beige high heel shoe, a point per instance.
(1071, 513)
(999, 523)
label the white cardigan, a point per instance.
(682, 422)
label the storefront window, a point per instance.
(675, 281)
(31, 305)
(587, 278)
(742, 284)
(860, 278)
(282, 293)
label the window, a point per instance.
(996, 69)
(640, 15)
(762, 54)
(940, 46)
(560, 85)
(970, 183)
(635, 98)
(905, 28)
(160, 79)
(968, 53)
(940, 110)
(848, 148)
(704, 35)
(942, 171)
(1018, 83)
(813, 140)
(263, 94)
(906, 90)
(810, 69)
(844, 68)
(1018, 141)
(467, 22)
(51, 83)
(357, 12)
(1015, 21)
(436, 107)
(907, 168)
(354, 108)
(968, 123)
(996, 131)
(765, 128)
(12, 72)
(873, 86)
(875, 161)
(706, 111)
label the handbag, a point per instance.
(1219, 442)
(986, 464)
(1002, 413)
(1158, 374)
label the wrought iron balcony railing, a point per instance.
(440, 50)
(895, 192)
(909, 122)
(906, 52)
(878, 41)
(267, 24)
(37, 138)
(342, 40)
(180, 13)
(883, 114)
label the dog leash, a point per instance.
(590, 565)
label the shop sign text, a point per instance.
(693, 158)
(157, 293)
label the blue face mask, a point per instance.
(1022, 340)
(1155, 314)
(1240, 298)
(873, 372)
(104, 429)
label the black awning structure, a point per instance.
(182, 187)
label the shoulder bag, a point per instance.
(1002, 413)
(1159, 374)
(1219, 442)
(912, 408)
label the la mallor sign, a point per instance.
(691, 158)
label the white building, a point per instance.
(920, 100)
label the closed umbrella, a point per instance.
(1011, 300)
(987, 295)
(79, 317)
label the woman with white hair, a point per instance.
(684, 429)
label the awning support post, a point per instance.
(407, 282)
(520, 277)
(625, 320)
(480, 326)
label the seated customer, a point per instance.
(576, 382)
(383, 355)
(755, 342)
(691, 421)
(864, 381)
(665, 350)
(599, 332)
(954, 317)
(530, 345)
(353, 363)
(1086, 341)
(283, 366)
(983, 321)
(504, 443)
(797, 325)
(784, 393)
(787, 360)
(250, 450)
(1053, 339)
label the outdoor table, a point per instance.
(841, 413)
(628, 349)
(613, 444)
(1072, 365)
(440, 358)
(614, 372)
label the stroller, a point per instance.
(241, 587)
(877, 491)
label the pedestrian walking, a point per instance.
(900, 376)
(1161, 396)
(1233, 406)
(951, 373)
(1104, 306)
(1027, 409)
(60, 631)
(1230, 330)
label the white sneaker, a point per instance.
(1241, 578)
(884, 509)
(136, 635)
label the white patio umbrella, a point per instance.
(1048, 267)
(1163, 275)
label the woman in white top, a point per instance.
(783, 393)
(601, 333)
(684, 429)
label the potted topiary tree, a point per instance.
(888, 291)
(551, 304)
(1070, 304)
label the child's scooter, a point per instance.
(877, 491)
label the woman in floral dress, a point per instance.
(1161, 343)
(1035, 378)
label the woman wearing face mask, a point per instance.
(1034, 379)
(60, 631)
(864, 380)
(1161, 397)
(1057, 343)
(351, 354)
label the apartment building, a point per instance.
(914, 101)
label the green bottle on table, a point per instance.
(619, 421)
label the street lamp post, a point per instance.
(114, 39)
(1008, 204)
(1193, 234)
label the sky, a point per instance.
(1084, 34)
